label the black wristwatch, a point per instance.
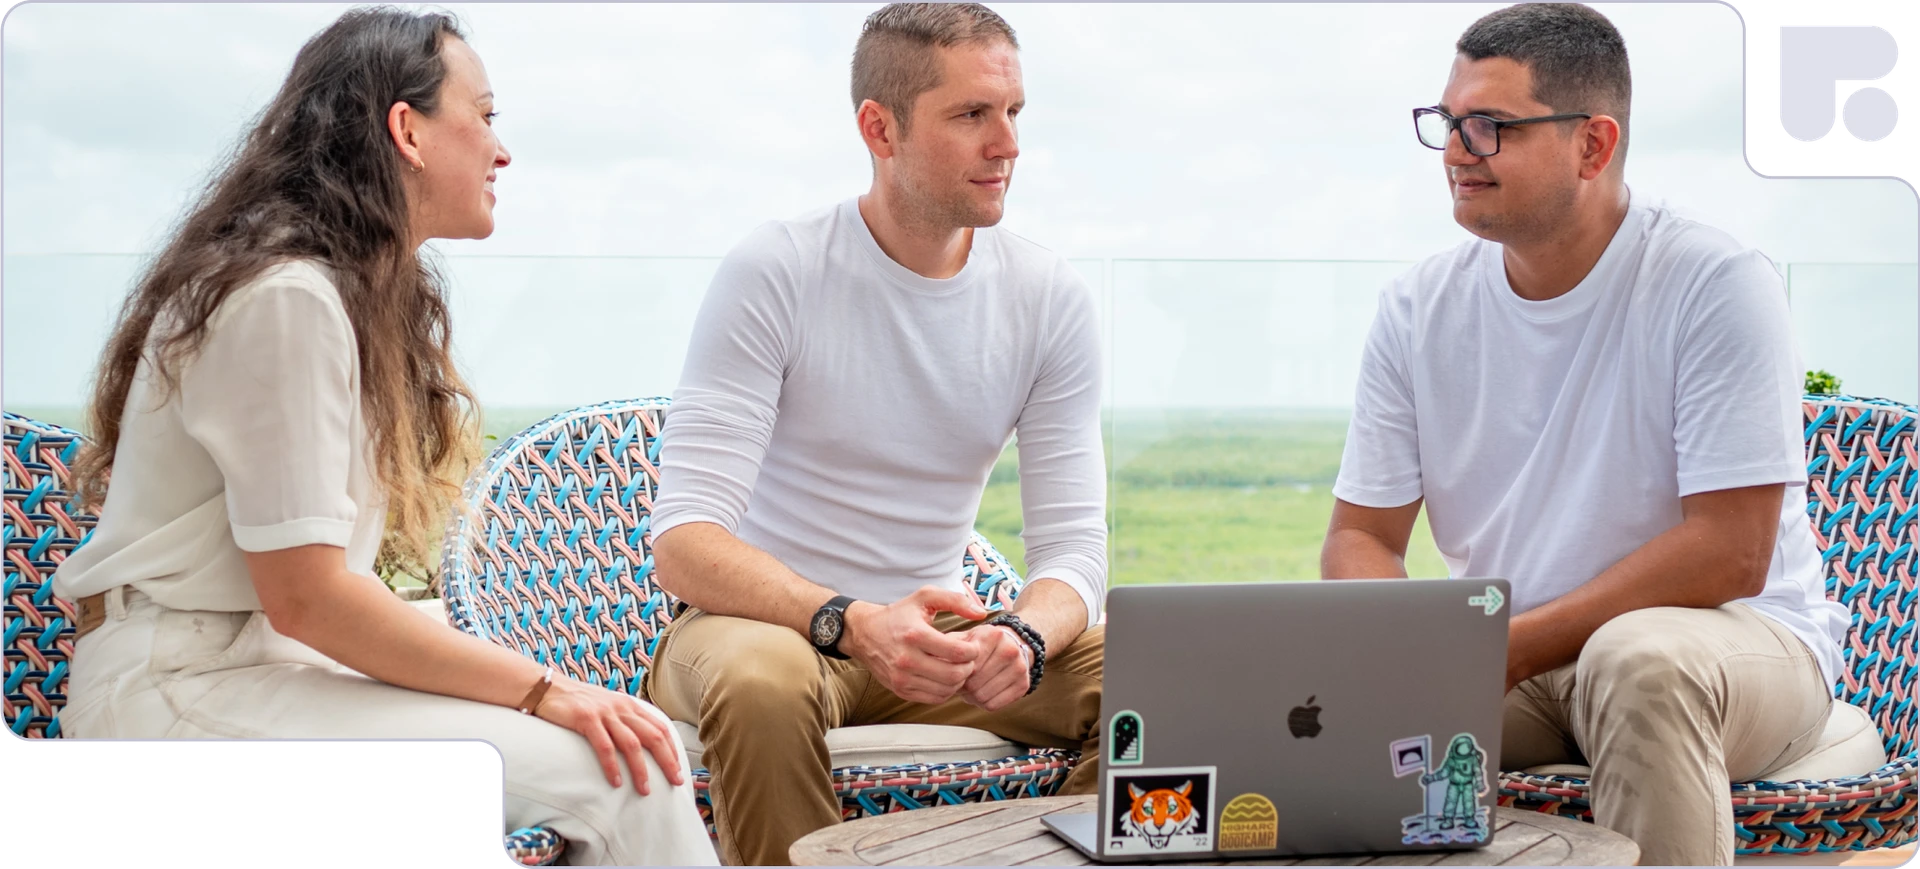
(828, 626)
(1032, 638)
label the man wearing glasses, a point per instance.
(1599, 401)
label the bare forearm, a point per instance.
(1351, 553)
(706, 566)
(1054, 610)
(358, 622)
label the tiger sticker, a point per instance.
(1160, 815)
(1160, 811)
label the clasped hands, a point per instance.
(986, 665)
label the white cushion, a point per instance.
(1570, 770)
(1849, 746)
(890, 745)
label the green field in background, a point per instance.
(1210, 496)
(1196, 495)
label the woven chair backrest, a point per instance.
(43, 526)
(1861, 476)
(553, 555)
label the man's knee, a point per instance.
(1650, 652)
(1078, 670)
(745, 664)
(1085, 656)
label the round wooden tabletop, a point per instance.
(1009, 833)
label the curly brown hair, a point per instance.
(318, 177)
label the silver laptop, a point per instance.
(1297, 718)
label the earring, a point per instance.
(419, 166)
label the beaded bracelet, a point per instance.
(1032, 638)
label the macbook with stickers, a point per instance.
(1297, 718)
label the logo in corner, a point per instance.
(1813, 63)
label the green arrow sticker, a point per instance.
(1493, 600)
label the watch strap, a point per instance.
(832, 650)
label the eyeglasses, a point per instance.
(1479, 134)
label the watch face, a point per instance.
(826, 627)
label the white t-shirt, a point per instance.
(262, 447)
(842, 413)
(1550, 439)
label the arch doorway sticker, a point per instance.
(1126, 739)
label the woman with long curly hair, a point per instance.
(278, 409)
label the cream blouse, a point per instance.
(262, 447)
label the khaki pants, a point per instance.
(764, 701)
(150, 672)
(1669, 705)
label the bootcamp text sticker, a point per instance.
(1410, 754)
(1159, 811)
(1451, 813)
(1249, 823)
(1126, 739)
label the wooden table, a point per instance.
(1009, 833)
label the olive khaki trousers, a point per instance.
(1669, 705)
(764, 701)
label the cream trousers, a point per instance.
(1668, 705)
(151, 672)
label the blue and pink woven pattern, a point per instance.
(552, 557)
(535, 846)
(1862, 470)
(43, 526)
(551, 554)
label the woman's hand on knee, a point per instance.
(616, 725)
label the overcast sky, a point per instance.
(1237, 131)
(1234, 130)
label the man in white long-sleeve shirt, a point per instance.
(852, 377)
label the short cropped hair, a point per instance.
(1578, 60)
(894, 61)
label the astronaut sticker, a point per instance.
(1453, 788)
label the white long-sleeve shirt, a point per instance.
(842, 413)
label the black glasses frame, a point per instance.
(1454, 125)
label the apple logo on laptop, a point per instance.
(1304, 721)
